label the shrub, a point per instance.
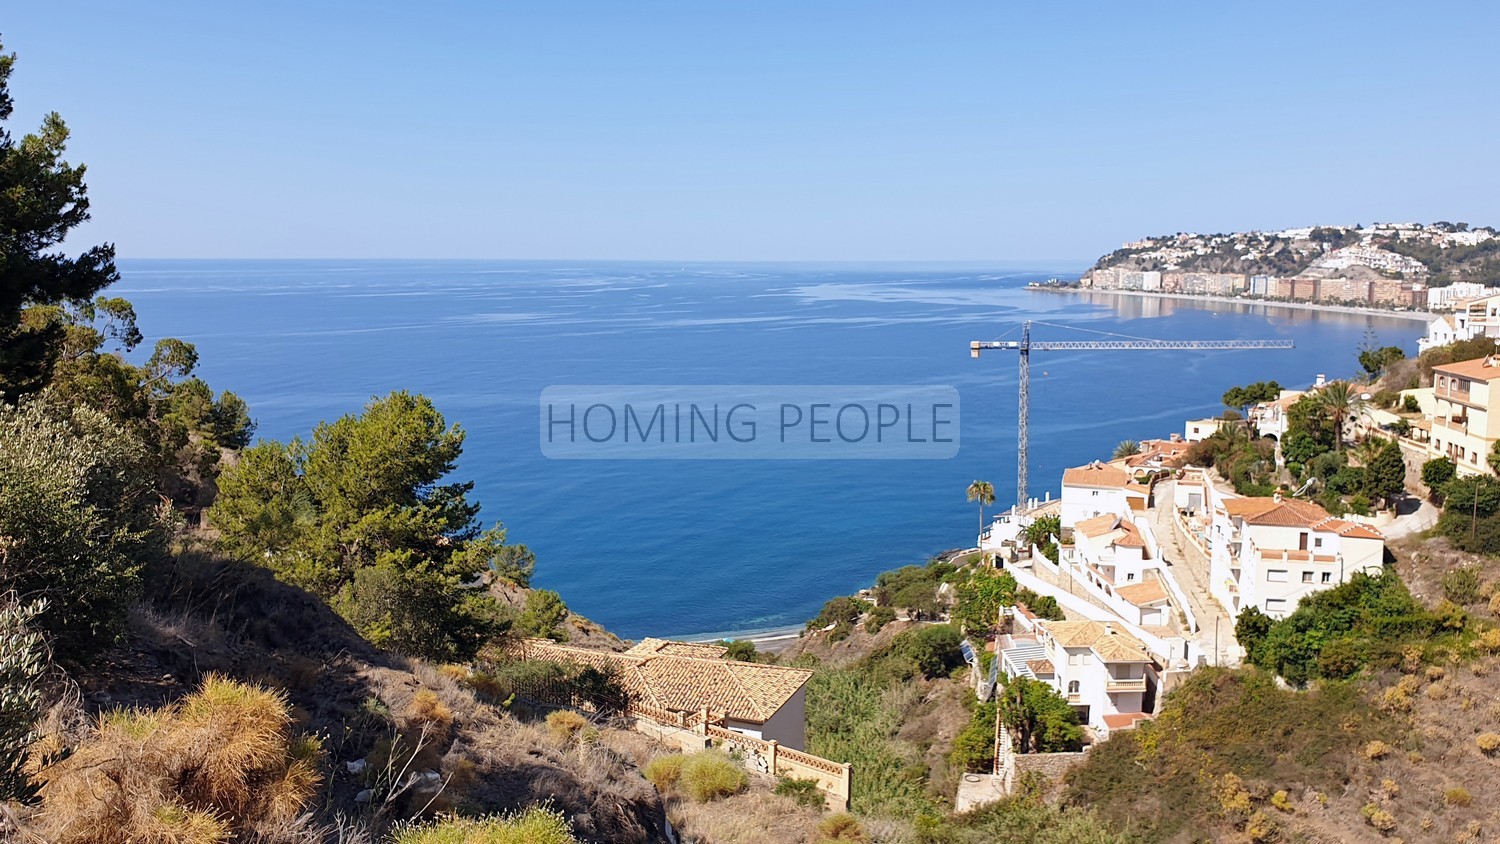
(543, 612)
(1390, 787)
(1380, 818)
(1377, 750)
(931, 650)
(565, 724)
(878, 618)
(533, 826)
(710, 775)
(23, 664)
(842, 827)
(842, 610)
(742, 650)
(428, 710)
(1457, 796)
(804, 792)
(664, 772)
(1489, 640)
(1461, 585)
(1488, 742)
(226, 751)
(1281, 800)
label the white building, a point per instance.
(1099, 488)
(1269, 419)
(1106, 674)
(1117, 558)
(1272, 552)
(1447, 298)
(1200, 429)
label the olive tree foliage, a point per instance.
(23, 665)
(364, 515)
(79, 516)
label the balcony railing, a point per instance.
(1123, 685)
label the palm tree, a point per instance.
(1341, 400)
(984, 493)
(1127, 448)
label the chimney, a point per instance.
(1320, 382)
(1276, 496)
(1109, 628)
(1176, 438)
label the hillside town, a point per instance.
(1397, 266)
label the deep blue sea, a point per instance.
(678, 547)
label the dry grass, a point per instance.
(842, 827)
(222, 763)
(755, 817)
(665, 771)
(565, 724)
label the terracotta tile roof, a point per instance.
(1143, 594)
(1287, 512)
(1098, 475)
(1353, 530)
(1117, 646)
(1112, 530)
(745, 691)
(705, 650)
(1478, 369)
(1124, 720)
(1041, 667)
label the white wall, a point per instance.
(1085, 502)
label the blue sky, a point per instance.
(709, 130)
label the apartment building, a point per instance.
(1099, 488)
(1273, 552)
(1464, 428)
(1107, 675)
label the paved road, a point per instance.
(1194, 582)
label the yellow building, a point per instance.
(1464, 428)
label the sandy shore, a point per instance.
(773, 640)
(1414, 316)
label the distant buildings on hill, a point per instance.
(1339, 290)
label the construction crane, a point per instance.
(1026, 346)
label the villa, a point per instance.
(1118, 558)
(1108, 676)
(763, 701)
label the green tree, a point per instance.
(984, 493)
(1241, 398)
(1470, 518)
(363, 515)
(79, 516)
(1375, 361)
(1250, 629)
(1385, 474)
(1126, 448)
(42, 199)
(742, 650)
(543, 615)
(1042, 530)
(1436, 473)
(1341, 401)
(979, 599)
(1041, 719)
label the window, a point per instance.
(1276, 605)
(1327, 577)
(1075, 659)
(1276, 575)
(1095, 493)
(1317, 542)
(1129, 577)
(1072, 687)
(1307, 577)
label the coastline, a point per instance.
(1414, 316)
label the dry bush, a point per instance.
(1489, 640)
(710, 775)
(664, 772)
(1282, 801)
(1379, 818)
(1390, 787)
(1457, 796)
(533, 826)
(842, 827)
(1488, 742)
(565, 724)
(427, 709)
(222, 763)
(1377, 750)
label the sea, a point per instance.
(700, 547)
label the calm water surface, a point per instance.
(686, 547)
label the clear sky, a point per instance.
(776, 130)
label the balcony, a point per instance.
(1117, 684)
(1460, 424)
(1075, 698)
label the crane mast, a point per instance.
(1024, 347)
